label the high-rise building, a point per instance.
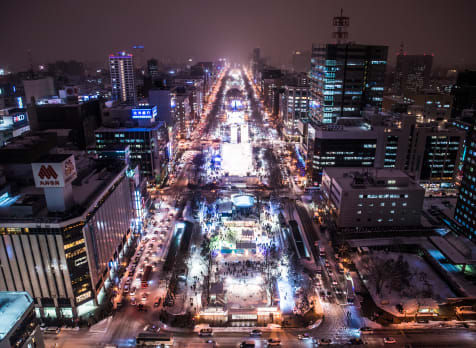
(412, 73)
(464, 93)
(294, 106)
(122, 78)
(465, 210)
(153, 69)
(137, 126)
(345, 78)
(271, 79)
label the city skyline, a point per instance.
(237, 174)
(94, 30)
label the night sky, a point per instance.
(208, 29)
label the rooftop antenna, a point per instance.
(341, 23)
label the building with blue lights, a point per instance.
(465, 211)
(345, 78)
(148, 147)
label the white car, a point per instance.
(304, 337)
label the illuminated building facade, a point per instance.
(148, 146)
(64, 239)
(121, 67)
(345, 78)
(465, 211)
(294, 106)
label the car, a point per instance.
(154, 239)
(205, 332)
(152, 328)
(356, 341)
(389, 340)
(273, 342)
(150, 246)
(247, 344)
(133, 301)
(256, 332)
(366, 329)
(330, 271)
(126, 289)
(325, 341)
(304, 336)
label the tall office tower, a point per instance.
(464, 93)
(153, 69)
(301, 61)
(122, 78)
(412, 73)
(466, 205)
(139, 53)
(345, 77)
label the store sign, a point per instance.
(18, 118)
(54, 174)
(149, 112)
(83, 297)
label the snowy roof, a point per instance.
(12, 307)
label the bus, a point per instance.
(146, 277)
(145, 339)
(350, 291)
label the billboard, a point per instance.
(146, 112)
(54, 174)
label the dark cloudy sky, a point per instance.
(89, 30)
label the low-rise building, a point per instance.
(369, 197)
(18, 327)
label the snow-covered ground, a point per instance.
(425, 289)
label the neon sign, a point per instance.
(149, 112)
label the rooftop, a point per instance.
(12, 307)
(371, 178)
(93, 179)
